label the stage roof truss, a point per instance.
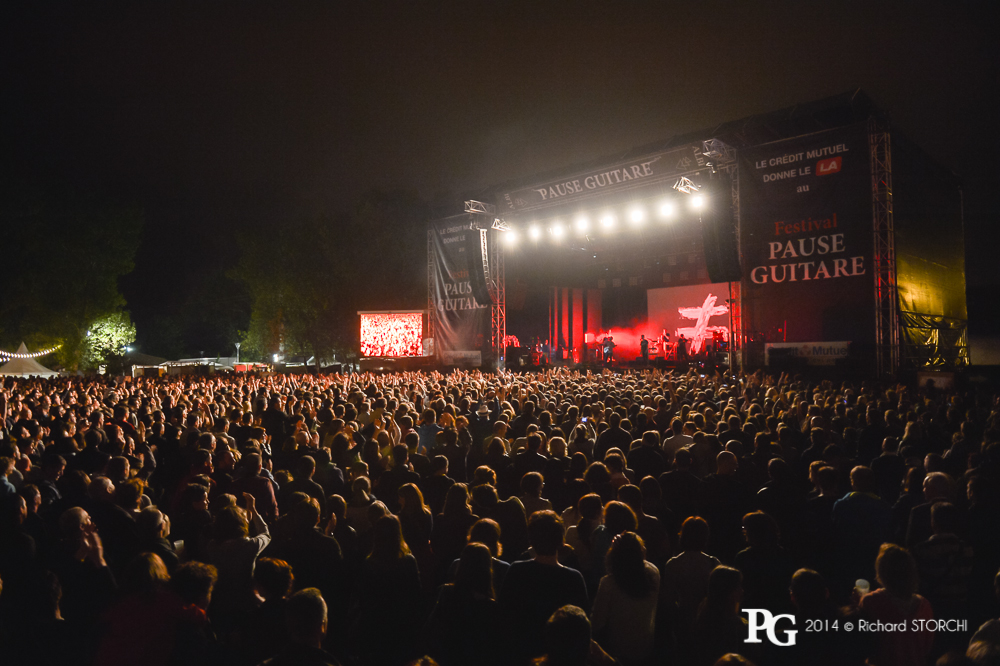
(480, 208)
(686, 185)
(718, 151)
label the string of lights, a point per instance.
(38, 354)
(607, 221)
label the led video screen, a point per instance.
(391, 334)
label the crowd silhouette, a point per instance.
(558, 518)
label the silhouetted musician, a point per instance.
(609, 349)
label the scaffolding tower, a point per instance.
(886, 299)
(724, 158)
(484, 220)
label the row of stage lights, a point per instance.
(636, 216)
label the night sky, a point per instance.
(215, 117)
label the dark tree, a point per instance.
(308, 278)
(64, 273)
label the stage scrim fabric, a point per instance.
(806, 239)
(930, 260)
(461, 324)
(931, 341)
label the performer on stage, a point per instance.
(609, 350)
(644, 349)
(682, 350)
(716, 344)
(665, 344)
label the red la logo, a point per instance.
(826, 167)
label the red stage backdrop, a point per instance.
(806, 239)
(391, 334)
(698, 311)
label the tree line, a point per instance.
(294, 289)
(307, 278)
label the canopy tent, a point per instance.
(25, 367)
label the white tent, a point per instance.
(25, 367)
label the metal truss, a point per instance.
(431, 308)
(482, 212)
(736, 337)
(718, 151)
(886, 309)
(480, 208)
(736, 360)
(686, 185)
(721, 157)
(734, 186)
(484, 252)
(485, 221)
(498, 291)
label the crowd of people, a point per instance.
(554, 518)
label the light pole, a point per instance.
(238, 352)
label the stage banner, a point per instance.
(806, 239)
(461, 324)
(610, 178)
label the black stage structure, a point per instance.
(823, 236)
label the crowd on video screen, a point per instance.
(391, 334)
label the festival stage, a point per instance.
(779, 240)
(814, 235)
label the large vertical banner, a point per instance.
(806, 239)
(462, 324)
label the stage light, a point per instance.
(697, 201)
(637, 215)
(557, 230)
(582, 223)
(510, 237)
(667, 209)
(608, 221)
(535, 233)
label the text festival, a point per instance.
(801, 248)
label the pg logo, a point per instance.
(761, 618)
